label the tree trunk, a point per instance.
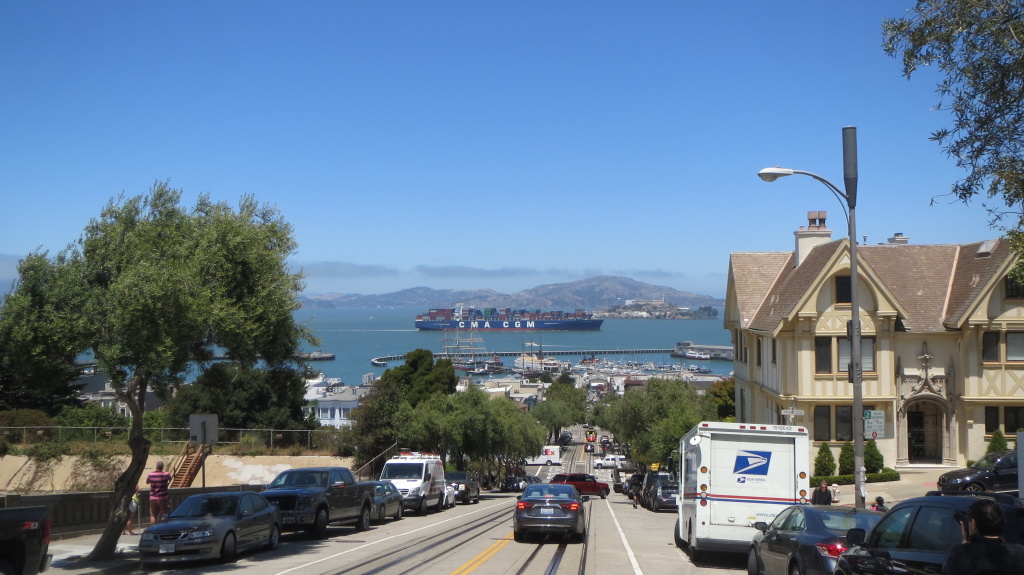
(124, 487)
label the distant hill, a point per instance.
(590, 294)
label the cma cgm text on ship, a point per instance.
(506, 319)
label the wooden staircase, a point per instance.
(188, 464)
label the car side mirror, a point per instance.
(855, 536)
(586, 498)
(518, 497)
(246, 512)
(761, 526)
(338, 484)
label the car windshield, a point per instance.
(457, 476)
(402, 471)
(839, 521)
(217, 505)
(300, 478)
(548, 492)
(987, 462)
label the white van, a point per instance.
(552, 455)
(419, 477)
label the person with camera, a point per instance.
(983, 549)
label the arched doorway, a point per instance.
(925, 422)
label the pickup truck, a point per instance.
(24, 540)
(311, 498)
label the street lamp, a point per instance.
(853, 327)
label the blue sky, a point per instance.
(476, 144)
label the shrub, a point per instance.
(873, 460)
(998, 442)
(249, 444)
(824, 462)
(846, 459)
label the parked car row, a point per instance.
(914, 536)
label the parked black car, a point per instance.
(996, 472)
(466, 484)
(805, 539)
(513, 483)
(915, 535)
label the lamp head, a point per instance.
(772, 174)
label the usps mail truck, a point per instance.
(733, 475)
(552, 455)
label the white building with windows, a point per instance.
(942, 341)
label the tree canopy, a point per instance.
(154, 290)
(977, 47)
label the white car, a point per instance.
(609, 461)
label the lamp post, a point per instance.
(853, 327)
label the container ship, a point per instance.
(506, 319)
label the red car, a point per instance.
(585, 484)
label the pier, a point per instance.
(383, 360)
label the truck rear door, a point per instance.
(752, 478)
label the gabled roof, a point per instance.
(935, 287)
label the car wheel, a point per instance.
(794, 569)
(380, 515)
(580, 537)
(975, 488)
(604, 494)
(398, 514)
(752, 563)
(363, 523)
(518, 536)
(227, 549)
(275, 537)
(318, 530)
(6, 568)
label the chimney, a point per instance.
(815, 234)
(899, 239)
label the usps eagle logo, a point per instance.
(752, 462)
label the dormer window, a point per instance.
(844, 291)
(1014, 289)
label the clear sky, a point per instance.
(475, 144)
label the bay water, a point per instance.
(357, 335)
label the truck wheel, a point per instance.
(6, 568)
(477, 498)
(227, 550)
(679, 540)
(318, 530)
(363, 522)
(423, 506)
(440, 504)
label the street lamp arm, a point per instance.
(772, 174)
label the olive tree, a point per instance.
(153, 290)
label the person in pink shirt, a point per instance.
(158, 482)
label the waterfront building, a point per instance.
(942, 330)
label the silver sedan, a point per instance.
(212, 526)
(550, 508)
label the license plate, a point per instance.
(547, 511)
(167, 547)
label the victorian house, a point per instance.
(942, 341)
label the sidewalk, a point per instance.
(68, 555)
(914, 482)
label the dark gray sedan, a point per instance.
(805, 539)
(550, 508)
(212, 526)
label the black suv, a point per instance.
(997, 472)
(915, 535)
(466, 485)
